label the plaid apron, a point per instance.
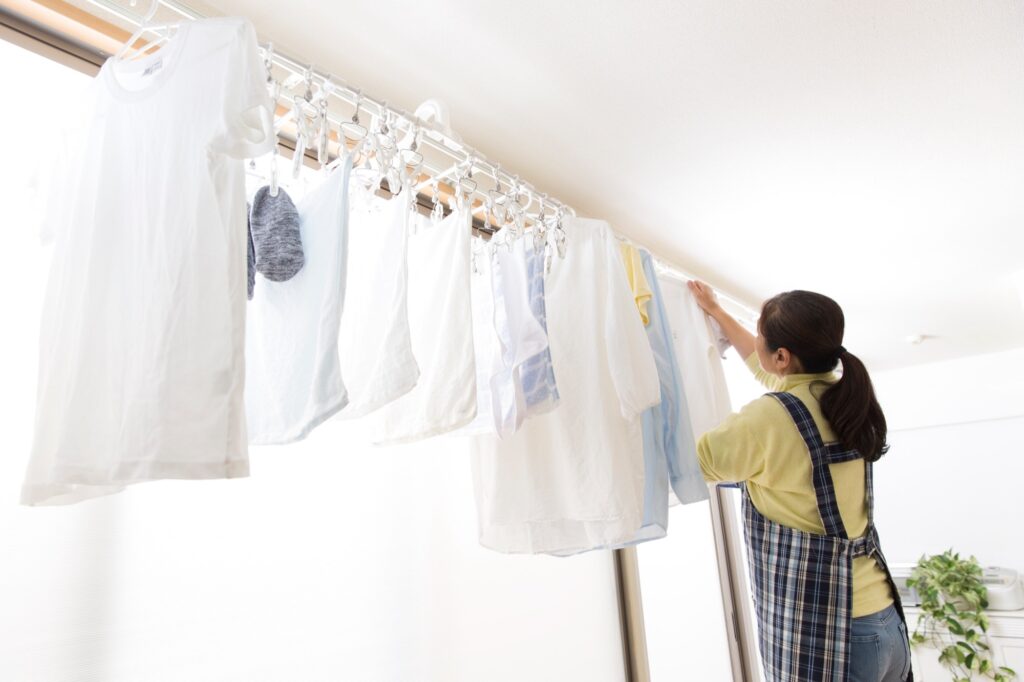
(803, 582)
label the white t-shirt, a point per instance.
(142, 359)
(293, 379)
(441, 323)
(698, 353)
(375, 346)
(573, 479)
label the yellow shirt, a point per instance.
(638, 283)
(761, 445)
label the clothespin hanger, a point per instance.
(539, 228)
(140, 31)
(411, 160)
(466, 184)
(323, 122)
(304, 132)
(353, 130)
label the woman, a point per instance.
(826, 605)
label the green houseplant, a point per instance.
(953, 602)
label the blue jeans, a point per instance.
(879, 649)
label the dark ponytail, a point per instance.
(810, 326)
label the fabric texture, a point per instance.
(572, 479)
(506, 335)
(668, 434)
(375, 343)
(520, 337)
(441, 326)
(250, 260)
(486, 347)
(879, 648)
(802, 582)
(293, 379)
(638, 283)
(760, 446)
(276, 235)
(540, 388)
(142, 362)
(700, 363)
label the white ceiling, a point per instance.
(870, 150)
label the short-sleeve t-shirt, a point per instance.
(141, 368)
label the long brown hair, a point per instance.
(810, 326)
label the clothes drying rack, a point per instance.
(460, 157)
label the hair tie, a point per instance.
(842, 349)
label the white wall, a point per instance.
(335, 561)
(952, 477)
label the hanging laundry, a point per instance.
(573, 479)
(700, 363)
(293, 379)
(654, 428)
(141, 367)
(506, 335)
(486, 347)
(276, 235)
(375, 345)
(667, 428)
(654, 425)
(537, 374)
(441, 324)
(520, 335)
(637, 282)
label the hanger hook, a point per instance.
(308, 76)
(268, 61)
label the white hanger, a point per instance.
(143, 27)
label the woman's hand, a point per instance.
(739, 337)
(705, 297)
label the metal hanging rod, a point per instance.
(733, 304)
(464, 156)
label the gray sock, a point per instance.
(251, 259)
(274, 222)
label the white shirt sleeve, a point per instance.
(247, 128)
(629, 353)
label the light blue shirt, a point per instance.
(670, 449)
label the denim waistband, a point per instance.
(882, 617)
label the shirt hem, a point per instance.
(561, 538)
(430, 432)
(293, 436)
(77, 485)
(355, 410)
